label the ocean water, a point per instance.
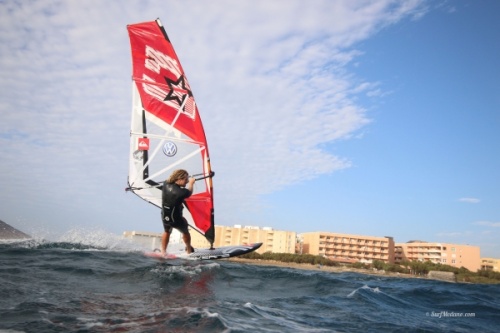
(110, 286)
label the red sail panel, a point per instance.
(170, 122)
(165, 88)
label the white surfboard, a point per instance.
(208, 254)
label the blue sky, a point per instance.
(364, 117)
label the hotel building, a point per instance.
(490, 264)
(276, 241)
(149, 240)
(440, 253)
(348, 248)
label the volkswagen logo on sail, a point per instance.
(170, 149)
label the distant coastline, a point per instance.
(333, 269)
(376, 272)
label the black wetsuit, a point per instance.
(171, 213)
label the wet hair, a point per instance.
(177, 175)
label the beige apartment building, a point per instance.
(490, 264)
(276, 241)
(148, 240)
(348, 248)
(444, 253)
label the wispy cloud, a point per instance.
(469, 200)
(449, 234)
(488, 224)
(272, 82)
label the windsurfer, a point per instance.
(176, 188)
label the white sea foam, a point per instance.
(375, 290)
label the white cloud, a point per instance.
(270, 79)
(488, 224)
(449, 234)
(469, 200)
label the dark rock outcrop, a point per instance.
(8, 232)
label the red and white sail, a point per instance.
(166, 130)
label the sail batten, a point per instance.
(166, 131)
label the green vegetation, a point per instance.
(289, 257)
(482, 276)
(418, 268)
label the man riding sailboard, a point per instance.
(167, 140)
